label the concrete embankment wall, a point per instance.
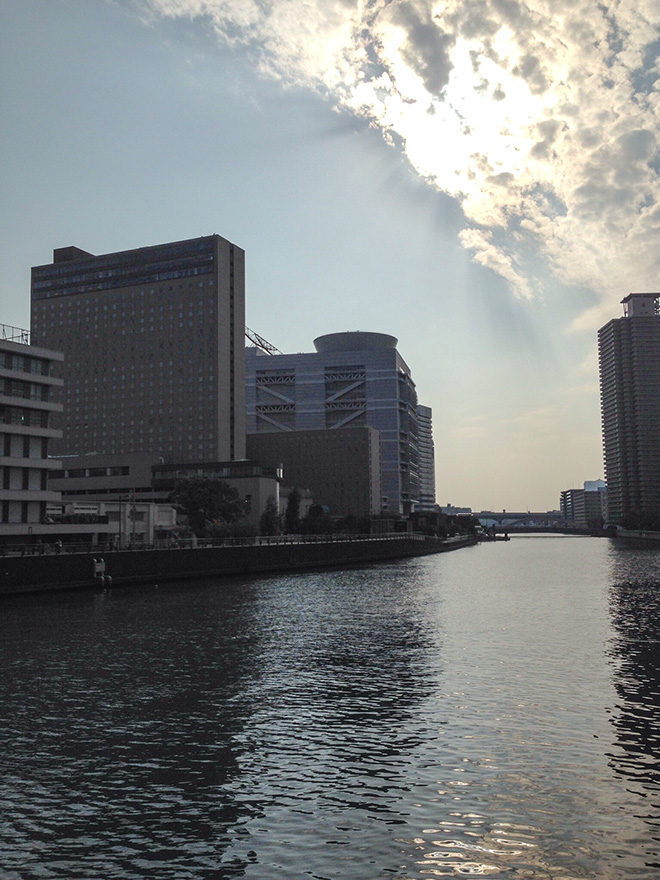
(56, 572)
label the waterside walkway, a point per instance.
(74, 566)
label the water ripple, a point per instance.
(489, 713)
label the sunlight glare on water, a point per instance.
(490, 712)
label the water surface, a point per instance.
(494, 712)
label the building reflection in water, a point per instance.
(127, 710)
(635, 610)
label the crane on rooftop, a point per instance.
(260, 342)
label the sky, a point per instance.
(478, 178)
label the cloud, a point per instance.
(540, 118)
(488, 254)
(426, 46)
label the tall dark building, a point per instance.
(629, 357)
(153, 343)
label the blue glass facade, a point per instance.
(354, 379)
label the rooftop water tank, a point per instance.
(354, 340)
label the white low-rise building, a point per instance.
(29, 396)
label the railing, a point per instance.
(114, 546)
(14, 334)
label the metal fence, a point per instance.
(14, 334)
(44, 548)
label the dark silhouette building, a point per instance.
(629, 360)
(340, 468)
(153, 348)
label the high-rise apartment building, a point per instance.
(351, 379)
(153, 343)
(629, 358)
(29, 399)
(426, 458)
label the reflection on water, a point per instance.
(635, 601)
(491, 712)
(121, 718)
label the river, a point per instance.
(492, 712)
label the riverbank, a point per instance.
(96, 567)
(637, 537)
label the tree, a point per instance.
(292, 515)
(269, 521)
(317, 522)
(206, 499)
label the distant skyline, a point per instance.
(478, 179)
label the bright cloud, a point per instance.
(539, 117)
